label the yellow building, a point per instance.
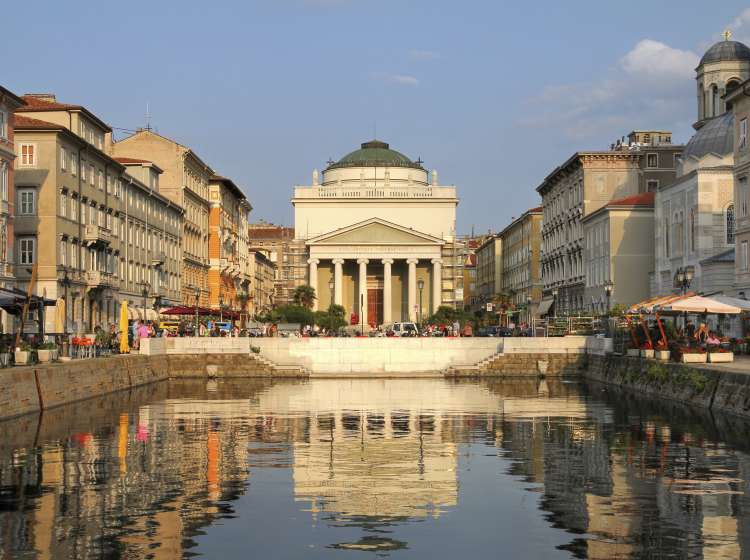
(522, 279)
(185, 180)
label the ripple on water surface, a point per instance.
(422, 468)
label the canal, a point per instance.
(422, 468)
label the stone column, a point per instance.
(387, 304)
(412, 291)
(338, 281)
(362, 300)
(437, 284)
(313, 281)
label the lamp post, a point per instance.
(684, 279)
(221, 308)
(65, 282)
(331, 286)
(608, 287)
(197, 294)
(420, 287)
(145, 287)
(528, 309)
(554, 302)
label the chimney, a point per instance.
(48, 97)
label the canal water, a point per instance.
(422, 468)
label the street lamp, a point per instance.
(420, 287)
(221, 308)
(608, 287)
(554, 302)
(197, 294)
(144, 292)
(528, 309)
(684, 278)
(331, 286)
(65, 282)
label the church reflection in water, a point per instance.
(84, 482)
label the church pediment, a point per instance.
(375, 231)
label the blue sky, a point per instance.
(492, 94)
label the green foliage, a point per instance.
(617, 310)
(304, 296)
(293, 314)
(446, 315)
(255, 349)
(332, 319)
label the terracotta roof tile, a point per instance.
(34, 103)
(643, 199)
(131, 160)
(21, 121)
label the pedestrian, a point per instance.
(143, 332)
(456, 331)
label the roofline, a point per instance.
(229, 183)
(153, 192)
(530, 212)
(143, 163)
(70, 108)
(735, 93)
(577, 156)
(58, 128)
(607, 208)
(188, 151)
(9, 94)
(490, 239)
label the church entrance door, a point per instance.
(375, 298)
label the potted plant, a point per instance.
(661, 351)
(47, 352)
(23, 354)
(4, 354)
(720, 355)
(691, 355)
(647, 350)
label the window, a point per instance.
(74, 256)
(92, 215)
(83, 212)
(716, 100)
(63, 159)
(26, 249)
(26, 202)
(63, 252)
(652, 160)
(3, 124)
(652, 185)
(28, 155)
(74, 209)
(92, 174)
(743, 256)
(63, 204)
(100, 180)
(730, 224)
(4, 180)
(743, 134)
(692, 226)
(742, 196)
(73, 165)
(83, 170)
(676, 159)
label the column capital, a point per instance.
(313, 261)
(437, 261)
(338, 261)
(363, 261)
(412, 261)
(387, 261)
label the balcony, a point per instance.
(98, 279)
(158, 259)
(96, 235)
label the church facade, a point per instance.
(379, 236)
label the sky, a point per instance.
(493, 94)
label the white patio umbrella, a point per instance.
(700, 304)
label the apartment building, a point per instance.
(619, 252)
(9, 102)
(263, 283)
(151, 239)
(521, 275)
(185, 181)
(288, 254)
(489, 278)
(228, 275)
(94, 226)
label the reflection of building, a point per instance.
(377, 228)
(695, 214)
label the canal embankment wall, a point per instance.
(714, 389)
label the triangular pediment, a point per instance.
(375, 232)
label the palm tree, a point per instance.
(304, 295)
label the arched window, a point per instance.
(730, 224)
(692, 226)
(716, 99)
(731, 84)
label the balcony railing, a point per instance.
(375, 192)
(158, 259)
(94, 234)
(97, 278)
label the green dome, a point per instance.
(375, 154)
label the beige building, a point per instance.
(96, 227)
(695, 214)
(489, 269)
(9, 102)
(229, 271)
(521, 275)
(287, 254)
(263, 272)
(619, 241)
(150, 230)
(740, 105)
(383, 231)
(185, 181)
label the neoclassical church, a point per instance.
(379, 236)
(695, 214)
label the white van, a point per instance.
(402, 329)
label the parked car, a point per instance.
(401, 329)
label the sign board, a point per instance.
(490, 307)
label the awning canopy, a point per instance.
(653, 304)
(700, 304)
(12, 301)
(544, 306)
(736, 302)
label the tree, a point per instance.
(304, 295)
(332, 319)
(294, 314)
(446, 315)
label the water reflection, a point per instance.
(400, 468)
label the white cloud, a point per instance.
(650, 86)
(400, 79)
(651, 57)
(417, 54)
(741, 20)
